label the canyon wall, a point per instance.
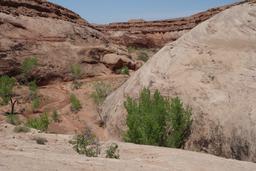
(151, 34)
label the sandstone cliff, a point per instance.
(212, 68)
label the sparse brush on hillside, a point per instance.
(41, 123)
(19, 129)
(55, 116)
(155, 120)
(99, 95)
(86, 144)
(76, 75)
(75, 103)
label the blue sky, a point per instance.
(107, 11)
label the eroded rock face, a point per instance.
(155, 34)
(56, 36)
(212, 69)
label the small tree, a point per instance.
(6, 91)
(99, 95)
(27, 66)
(76, 75)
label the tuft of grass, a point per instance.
(112, 151)
(27, 67)
(143, 56)
(131, 49)
(36, 103)
(19, 129)
(41, 140)
(75, 103)
(13, 119)
(41, 123)
(76, 74)
(124, 71)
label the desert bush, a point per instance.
(21, 128)
(12, 119)
(155, 120)
(27, 66)
(143, 56)
(55, 116)
(124, 70)
(41, 123)
(41, 140)
(75, 103)
(86, 144)
(112, 151)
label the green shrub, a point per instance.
(86, 144)
(55, 116)
(112, 151)
(75, 103)
(41, 123)
(41, 140)
(124, 70)
(19, 129)
(155, 120)
(12, 119)
(143, 56)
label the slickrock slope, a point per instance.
(152, 34)
(19, 152)
(57, 37)
(212, 69)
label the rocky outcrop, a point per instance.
(151, 34)
(212, 69)
(57, 37)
